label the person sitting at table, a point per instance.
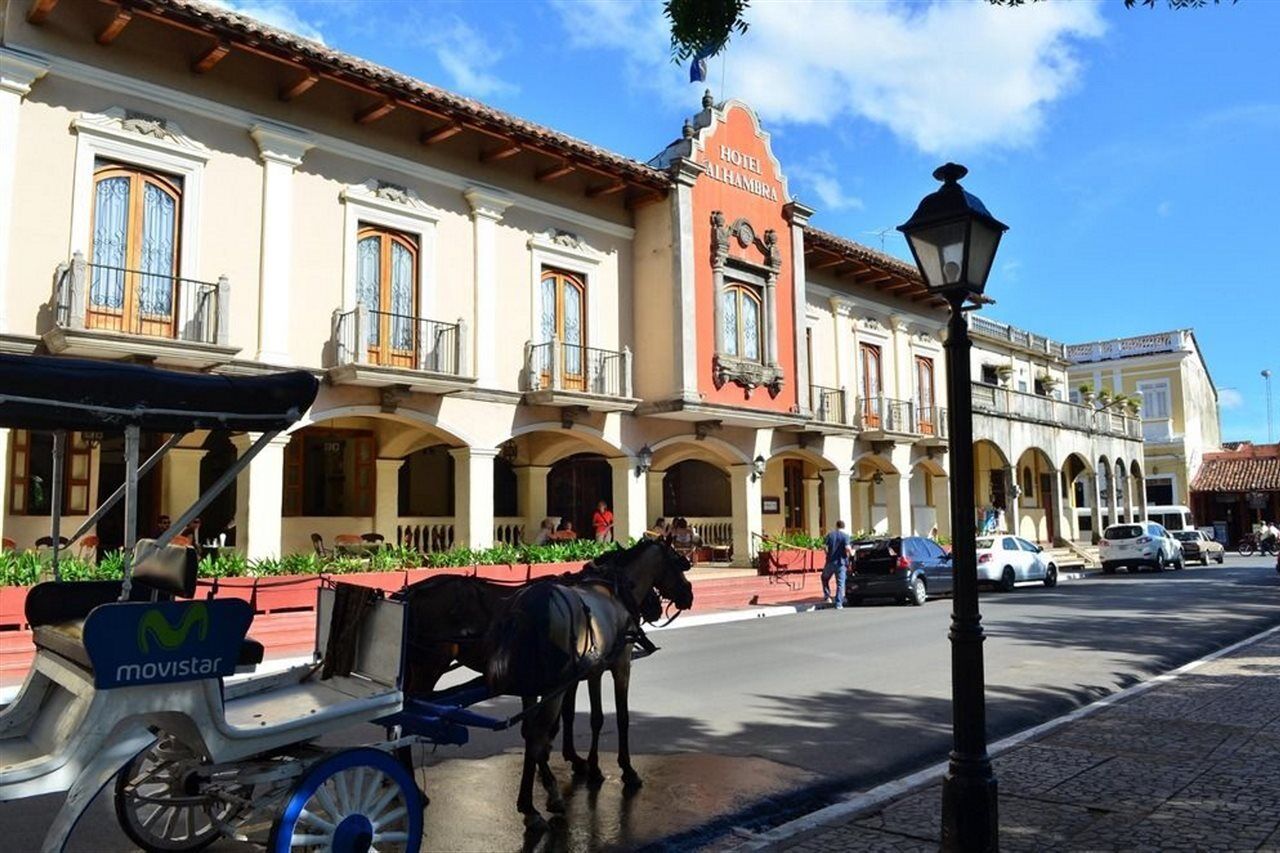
(546, 532)
(660, 530)
(683, 539)
(565, 532)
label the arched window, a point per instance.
(134, 254)
(741, 333)
(563, 318)
(386, 282)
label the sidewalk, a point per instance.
(1191, 764)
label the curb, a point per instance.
(868, 800)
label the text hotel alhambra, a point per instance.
(732, 157)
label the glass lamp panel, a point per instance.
(939, 249)
(159, 215)
(110, 236)
(983, 240)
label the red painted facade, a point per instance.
(743, 182)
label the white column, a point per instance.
(281, 151)
(629, 499)
(386, 498)
(473, 495)
(1140, 483)
(812, 516)
(897, 500)
(1014, 509)
(1095, 510)
(653, 489)
(860, 505)
(839, 498)
(260, 498)
(942, 503)
(685, 334)
(798, 216)
(845, 376)
(748, 520)
(1128, 497)
(17, 72)
(903, 363)
(180, 479)
(487, 207)
(531, 496)
(4, 478)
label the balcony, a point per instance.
(1174, 341)
(886, 419)
(1019, 405)
(983, 327)
(830, 408)
(379, 349)
(111, 312)
(572, 375)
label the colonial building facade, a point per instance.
(511, 323)
(1167, 372)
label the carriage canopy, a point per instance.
(47, 393)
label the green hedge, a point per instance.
(803, 540)
(19, 568)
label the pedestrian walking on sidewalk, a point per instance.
(838, 550)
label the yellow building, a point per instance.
(1179, 403)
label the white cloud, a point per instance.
(1164, 208)
(274, 13)
(1230, 398)
(821, 177)
(467, 56)
(946, 77)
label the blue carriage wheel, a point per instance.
(355, 801)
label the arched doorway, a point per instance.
(928, 490)
(694, 488)
(1076, 489)
(991, 486)
(219, 516)
(1038, 500)
(574, 485)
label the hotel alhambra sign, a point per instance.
(739, 170)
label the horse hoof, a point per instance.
(595, 778)
(534, 822)
(631, 780)
(579, 766)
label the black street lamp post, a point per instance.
(954, 240)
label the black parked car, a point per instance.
(906, 568)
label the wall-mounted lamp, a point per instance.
(507, 451)
(757, 468)
(878, 478)
(644, 460)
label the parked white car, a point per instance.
(1145, 545)
(1005, 560)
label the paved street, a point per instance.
(755, 722)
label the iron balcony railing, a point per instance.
(384, 339)
(829, 404)
(140, 302)
(559, 366)
(1019, 405)
(931, 421)
(887, 414)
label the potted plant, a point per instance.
(1005, 373)
(1049, 382)
(1104, 397)
(1086, 393)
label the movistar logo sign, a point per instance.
(156, 634)
(154, 628)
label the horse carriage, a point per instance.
(128, 678)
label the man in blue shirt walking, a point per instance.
(838, 550)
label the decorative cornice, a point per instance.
(748, 374)
(684, 172)
(797, 213)
(565, 243)
(19, 70)
(487, 202)
(390, 198)
(139, 129)
(280, 144)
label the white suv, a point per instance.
(1145, 545)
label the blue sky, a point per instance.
(1132, 152)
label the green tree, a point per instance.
(703, 27)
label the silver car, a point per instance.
(1143, 545)
(1197, 546)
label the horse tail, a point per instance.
(532, 643)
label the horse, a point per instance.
(449, 620)
(553, 635)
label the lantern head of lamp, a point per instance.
(952, 236)
(757, 467)
(644, 459)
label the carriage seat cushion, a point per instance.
(67, 640)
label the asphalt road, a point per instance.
(749, 723)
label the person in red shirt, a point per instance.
(602, 521)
